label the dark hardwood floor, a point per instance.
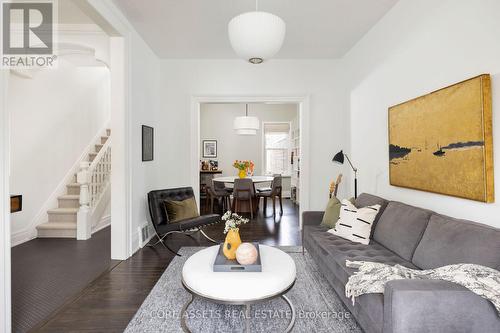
(110, 302)
(47, 273)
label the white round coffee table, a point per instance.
(277, 277)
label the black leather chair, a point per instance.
(164, 227)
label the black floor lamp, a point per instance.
(339, 158)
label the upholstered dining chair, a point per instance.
(220, 186)
(164, 226)
(243, 191)
(221, 194)
(275, 192)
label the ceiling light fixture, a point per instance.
(246, 125)
(256, 36)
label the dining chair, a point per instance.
(221, 186)
(243, 190)
(221, 194)
(274, 192)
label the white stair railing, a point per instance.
(94, 178)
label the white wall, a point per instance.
(50, 129)
(216, 123)
(418, 47)
(182, 79)
(145, 106)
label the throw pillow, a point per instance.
(332, 212)
(181, 210)
(355, 224)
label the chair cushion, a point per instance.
(401, 227)
(181, 209)
(448, 241)
(188, 224)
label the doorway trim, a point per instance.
(304, 118)
(5, 266)
(111, 20)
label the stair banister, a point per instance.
(99, 173)
(83, 224)
(94, 179)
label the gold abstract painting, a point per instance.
(442, 142)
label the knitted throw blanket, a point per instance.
(372, 276)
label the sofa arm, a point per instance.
(436, 306)
(312, 217)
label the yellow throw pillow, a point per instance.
(181, 210)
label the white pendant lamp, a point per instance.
(256, 36)
(246, 125)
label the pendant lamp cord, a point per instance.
(256, 5)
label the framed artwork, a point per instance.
(147, 143)
(442, 142)
(209, 148)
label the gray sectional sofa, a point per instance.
(419, 239)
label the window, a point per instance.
(277, 148)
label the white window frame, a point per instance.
(288, 172)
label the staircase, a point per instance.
(62, 221)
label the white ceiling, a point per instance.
(198, 28)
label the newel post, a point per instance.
(83, 224)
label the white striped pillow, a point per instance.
(355, 224)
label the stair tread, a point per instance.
(73, 184)
(63, 210)
(57, 225)
(69, 196)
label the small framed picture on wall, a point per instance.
(147, 143)
(209, 148)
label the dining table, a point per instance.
(255, 179)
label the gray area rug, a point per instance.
(318, 307)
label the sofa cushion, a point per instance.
(448, 241)
(401, 227)
(337, 250)
(366, 199)
(340, 251)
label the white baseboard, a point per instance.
(137, 244)
(22, 236)
(103, 223)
